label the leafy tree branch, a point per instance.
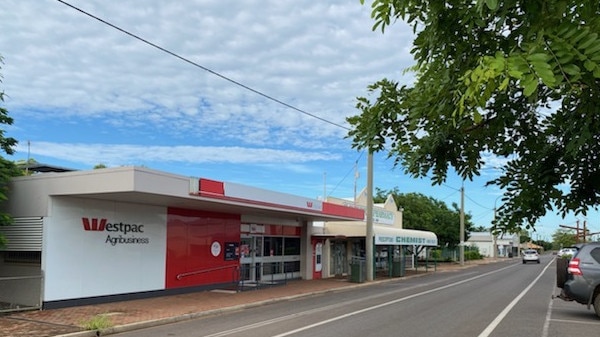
(516, 79)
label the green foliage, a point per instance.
(436, 254)
(515, 79)
(426, 213)
(563, 238)
(547, 246)
(23, 166)
(97, 322)
(441, 255)
(7, 168)
(472, 253)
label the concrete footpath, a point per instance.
(138, 314)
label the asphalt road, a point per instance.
(501, 299)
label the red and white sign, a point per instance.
(96, 248)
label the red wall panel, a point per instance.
(292, 231)
(190, 235)
(279, 230)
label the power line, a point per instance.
(347, 174)
(448, 196)
(201, 67)
(478, 204)
(450, 187)
(195, 64)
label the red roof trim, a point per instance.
(341, 210)
(332, 209)
(211, 187)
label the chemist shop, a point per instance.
(396, 249)
(83, 237)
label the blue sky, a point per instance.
(83, 93)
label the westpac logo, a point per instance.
(94, 224)
(117, 231)
(103, 225)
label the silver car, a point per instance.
(531, 255)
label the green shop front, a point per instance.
(396, 249)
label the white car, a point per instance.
(531, 255)
(567, 252)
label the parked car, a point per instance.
(531, 255)
(567, 252)
(580, 278)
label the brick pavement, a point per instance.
(161, 310)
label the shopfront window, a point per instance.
(292, 266)
(292, 246)
(259, 245)
(272, 268)
(273, 246)
(270, 257)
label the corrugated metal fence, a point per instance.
(21, 276)
(24, 234)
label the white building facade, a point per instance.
(121, 233)
(506, 245)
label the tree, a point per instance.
(426, 213)
(24, 165)
(514, 79)
(563, 238)
(481, 229)
(524, 236)
(7, 168)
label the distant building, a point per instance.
(35, 167)
(506, 244)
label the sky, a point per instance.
(250, 92)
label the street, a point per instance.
(499, 299)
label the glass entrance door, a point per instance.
(339, 264)
(251, 248)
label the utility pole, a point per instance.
(356, 176)
(369, 214)
(324, 186)
(462, 225)
(495, 237)
(580, 234)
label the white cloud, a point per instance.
(84, 93)
(122, 154)
(315, 56)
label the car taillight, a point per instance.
(573, 268)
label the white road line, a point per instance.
(291, 332)
(317, 310)
(546, 327)
(490, 328)
(572, 321)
